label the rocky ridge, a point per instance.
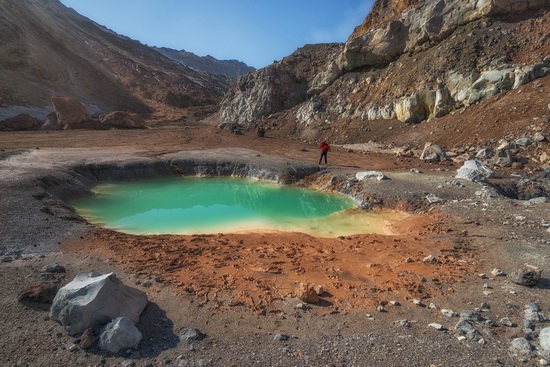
(426, 62)
(232, 69)
(48, 49)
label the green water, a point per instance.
(214, 205)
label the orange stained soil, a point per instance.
(256, 270)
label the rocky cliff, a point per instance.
(279, 86)
(48, 49)
(231, 69)
(413, 61)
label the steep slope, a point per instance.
(429, 61)
(231, 69)
(48, 49)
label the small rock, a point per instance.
(485, 306)
(381, 309)
(437, 326)
(306, 293)
(319, 289)
(418, 302)
(281, 337)
(497, 272)
(191, 334)
(528, 275)
(449, 313)
(54, 268)
(404, 323)
(119, 334)
(411, 260)
(395, 303)
(430, 259)
(87, 339)
(465, 328)
(506, 322)
(471, 316)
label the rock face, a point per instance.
(411, 60)
(93, 299)
(277, 87)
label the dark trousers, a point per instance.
(323, 154)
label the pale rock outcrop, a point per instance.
(119, 334)
(307, 112)
(491, 83)
(92, 299)
(417, 107)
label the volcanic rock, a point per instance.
(93, 299)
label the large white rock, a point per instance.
(92, 299)
(473, 170)
(544, 337)
(366, 175)
(121, 333)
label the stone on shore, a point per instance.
(119, 334)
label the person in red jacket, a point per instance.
(324, 150)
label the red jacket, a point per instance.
(324, 147)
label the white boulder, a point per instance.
(473, 170)
(369, 175)
(92, 299)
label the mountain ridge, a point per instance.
(49, 49)
(232, 69)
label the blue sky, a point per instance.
(256, 32)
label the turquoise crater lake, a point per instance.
(192, 205)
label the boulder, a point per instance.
(485, 153)
(92, 299)
(306, 293)
(123, 120)
(432, 153)
(69, 111)
(473, 170)
(119, 334)
(20, 122)
(370, 175)
(527, 275)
